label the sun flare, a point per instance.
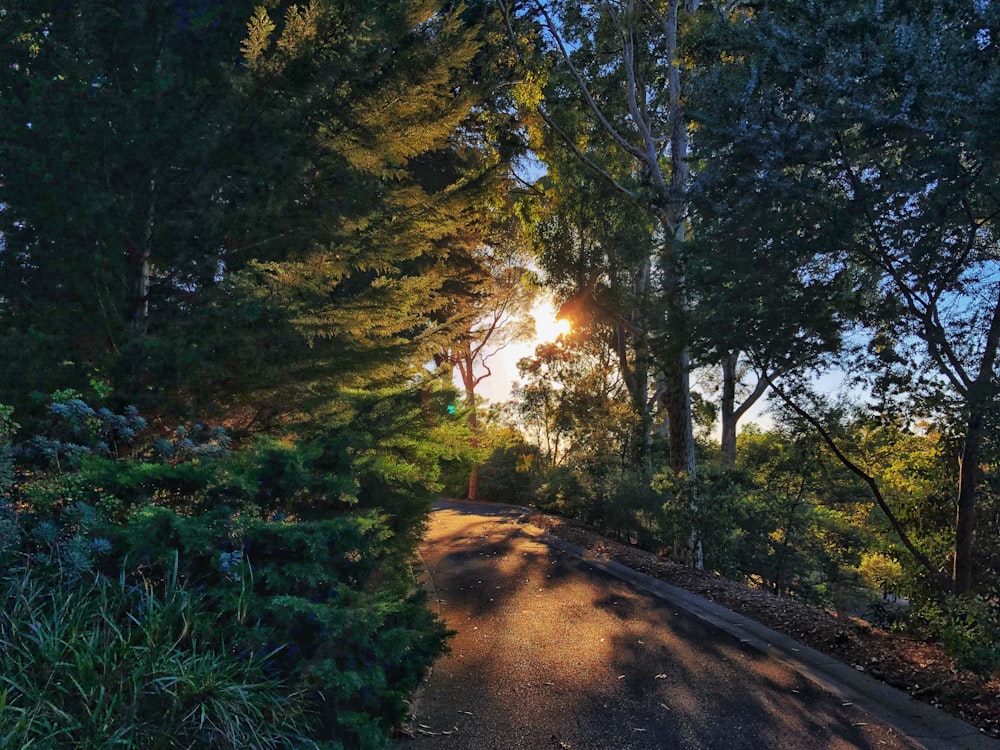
(547, 328)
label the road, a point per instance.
(551, 653)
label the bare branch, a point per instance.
(763, 383)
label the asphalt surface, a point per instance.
(553, 650)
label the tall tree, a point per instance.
(267, 220)
(770, 295)
(885, 114)
(494, 313)
(616, 73)
(113, 125)
(596, 250)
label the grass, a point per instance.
(97, 663)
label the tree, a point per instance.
(115, 149)
(574, 403)
(291, 212)
(886, 116)
(615, 75)
(495, 312)
(769, 294)
(595, 249)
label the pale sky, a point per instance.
(503, 365)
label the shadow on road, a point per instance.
(550, 653)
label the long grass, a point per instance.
(101, 664)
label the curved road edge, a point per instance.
(929, 727)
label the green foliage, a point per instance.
(968, 627)
(196, 226)
(852, 141)
(881, 572)
(97, 662)
(8, 427)
(329, 597)
(73, 429)
(300, 551)
(509, 468)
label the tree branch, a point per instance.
(868, 480)
(595, 108)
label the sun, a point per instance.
(547, 327)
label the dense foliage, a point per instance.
(295, 219)
(216, 213)
(260, 596)
(739, 199)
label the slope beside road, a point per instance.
(553, 650)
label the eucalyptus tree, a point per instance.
(595, 249)
(610, 84)
(883, 117)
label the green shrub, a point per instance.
(967, 627)
(881, 573)
(347, 625)
(509, 474)
(298, 550)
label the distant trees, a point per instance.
(611, 83)
(492, 314)
(596, 251)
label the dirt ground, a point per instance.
(920, 668)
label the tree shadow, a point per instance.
(552, 653)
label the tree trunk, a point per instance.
(677, 399)
(145, 260)
(465, 367)
(635, 375)
(678, 382)
(962, 579)
(729, 363)
(474, 483)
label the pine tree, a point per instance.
(207, 205)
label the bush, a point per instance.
(967, 627)
(300, 551)
(509, 474)
(881, 573)
(349, 629)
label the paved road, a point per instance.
(550, 653)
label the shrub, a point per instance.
(509, 474)
(348, 627)
(967, 627)
(881, 573)
(298, 550)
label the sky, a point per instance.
(497, 387)
(503, 365)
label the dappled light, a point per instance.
(550, 653)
